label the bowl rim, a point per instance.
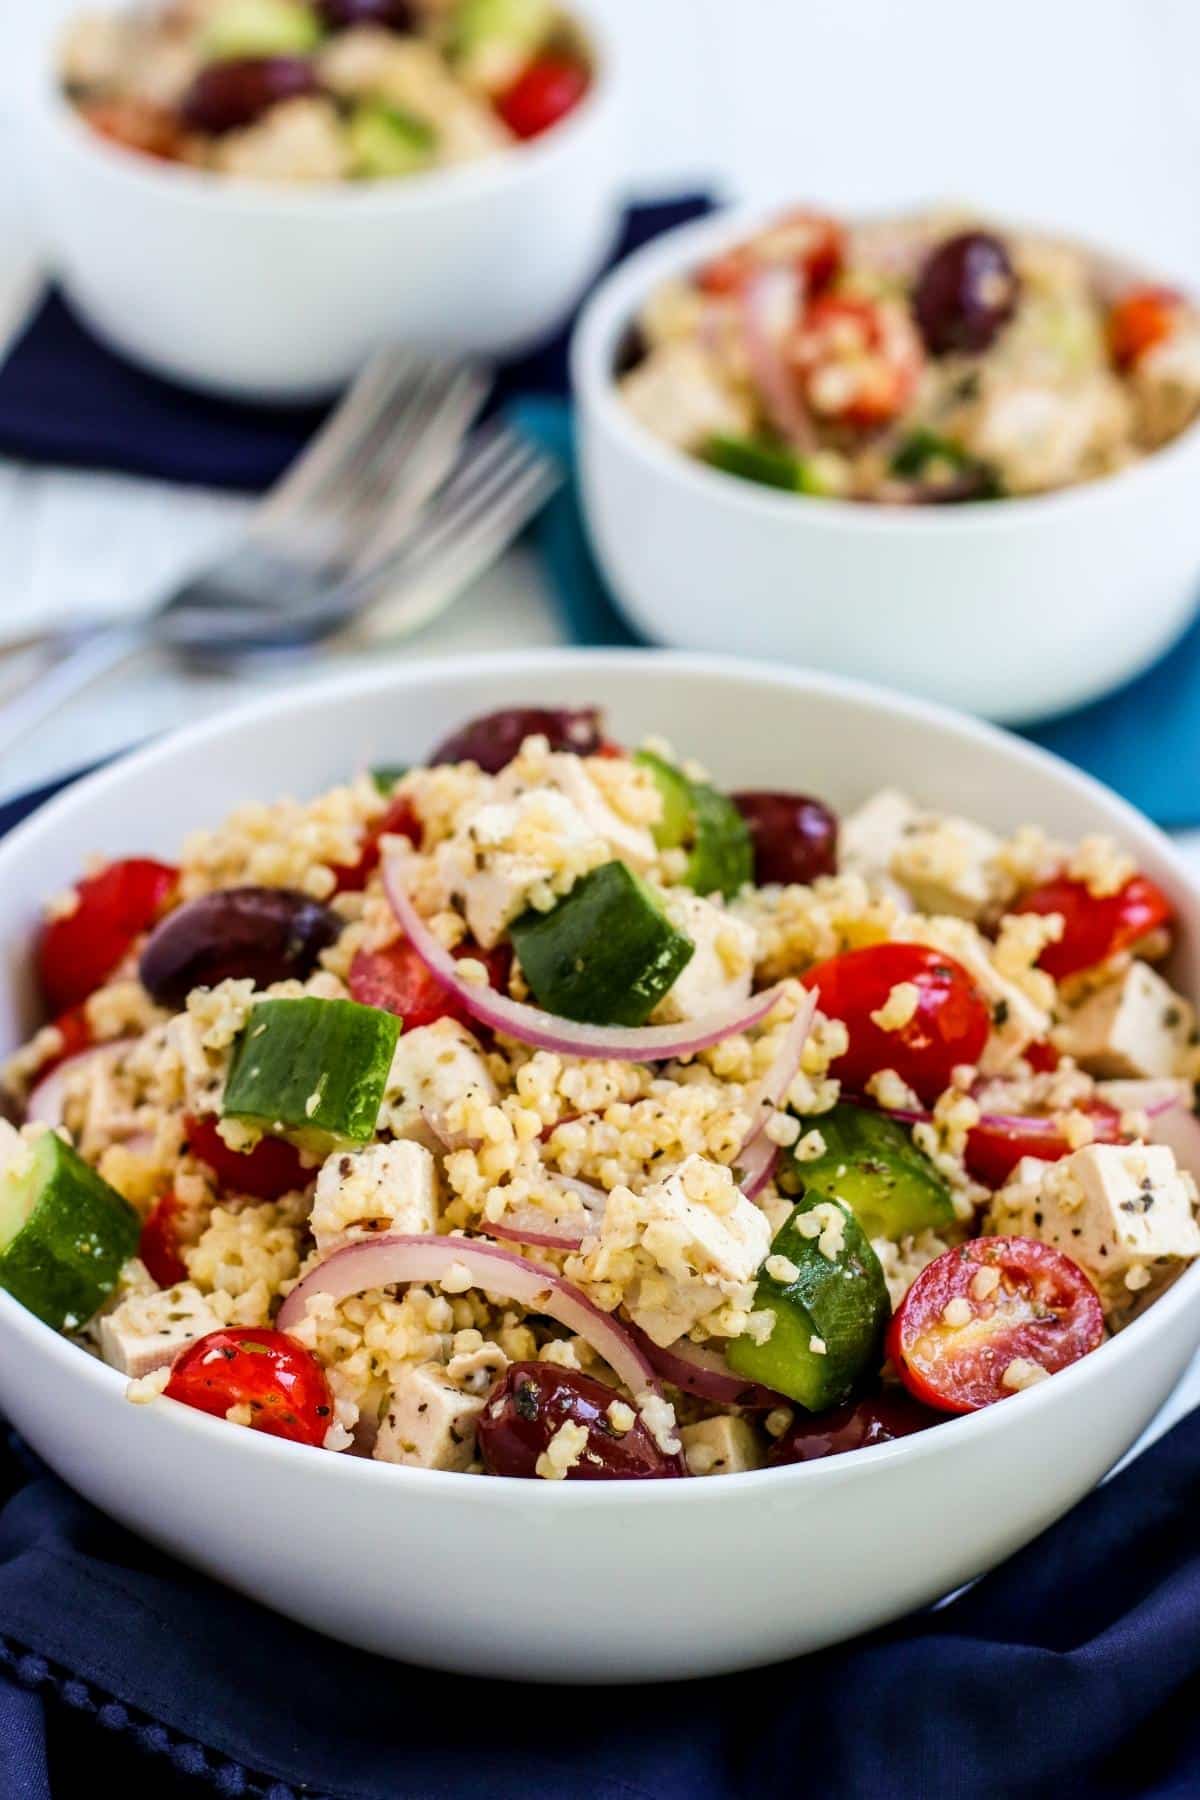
(509, 166)
(611, 308)
(36, 1339)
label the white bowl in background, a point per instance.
(594, 1582)
(272, 292)
(1015, 609)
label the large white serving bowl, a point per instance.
(594, 1582)
(1014, 609)
(269, 292)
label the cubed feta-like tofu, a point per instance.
(431, 1068)
(680, 1250)
(1116, 1209)
(1135, 1025)
(511, 851)
(428, 1422)
(147, 1331)
(568, 775)
(721, 1446)
(947, 864)
(679, 394)
(721, 969)
(384, 1188)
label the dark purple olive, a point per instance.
(227, 95)
(856, 1425)
(532, 1400)
(493, 740)
(966, 290)
(395, 15)
(794, 838)
(247, 933)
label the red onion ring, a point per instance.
(45, 1103)
(757, 1156)
(1032, 1123)
(776, 291)
(697, 1369)
(530, 1025)
(387, 1261)
(535, 1225)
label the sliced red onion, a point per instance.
(698, 1369)
(46, 1099)
(387, 1261)
(530, 1224)
(770, 309)
(756, 1158)
(1032, 1124)
(543, 1030)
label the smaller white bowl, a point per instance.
(1015, 609)
(279, 293)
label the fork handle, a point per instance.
(80, 663)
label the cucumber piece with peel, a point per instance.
(64, 1232)
(312, 1070)
(871, 1163)
(260, 28)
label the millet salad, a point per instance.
(544, 1111)
(932, 358)
(324, 90)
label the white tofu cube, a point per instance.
(721, 1446)
(947, 864)
(365, 1193)
(431, 1068)
(679, 394)
(568, 775)
(147, 1331)
(508, 851)
(870, 836)
(428, 1422)
(1135, 1026)
(1114, 1209)
(721, 969)
(684, 1248)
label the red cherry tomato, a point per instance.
(137, 125)
(857, 361)
(542, 94)
(80, 949)
(284, 1387)
(400, 820)
(950, 1025)
(1144, 317)
(396, 980)
(1042, 1058)
(993, 1151)
(812, 243)
(158, 1246)
(1095, 928)
(1042, 1310)
(856, 1425)
(272, 1168)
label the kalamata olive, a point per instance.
(966, 290)
(532, 1401)
(855, 1425)
(227, 95)
(395, 15)
(493, 740)
(794, 838)
(247, 933)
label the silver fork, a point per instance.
(356, 492)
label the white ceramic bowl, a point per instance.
(1015, 609)
(595, 1581)
(279, 293)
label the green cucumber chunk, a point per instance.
(871, 1163)
(770, 465)
(387, 775)
(384, 141)
(923, 453)
(606, 955)
(64, 1234)
(490, 39)
(260, 28)
(312, 1070)
(698, 818)
(830, 1319)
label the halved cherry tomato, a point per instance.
(396, 979)
(272, 1168)
(855, 1425)
(542, 94)
(857, 360)
(1144, 317)
(1095, 927)
(77, 951)
(950, 1025)
(158, 1246)
(400, 820)
(138, 125)
(284, 1387)
(810, 242)
(1027, 1303)
(993, 1151)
